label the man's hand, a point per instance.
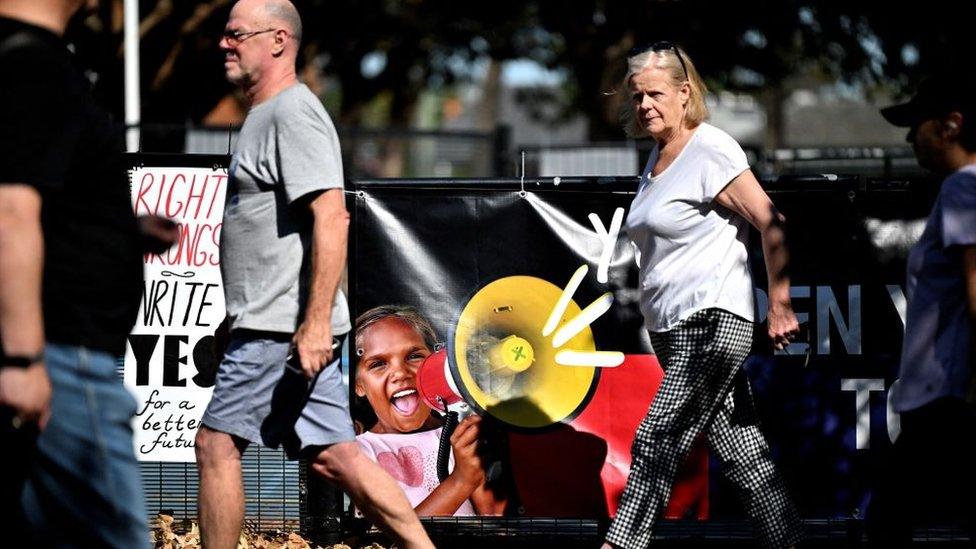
(27, 391)
(313, 343)
(157, 233)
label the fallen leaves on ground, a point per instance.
(169, 533)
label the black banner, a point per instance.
(444, 247)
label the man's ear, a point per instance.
(280, 41)
(953, 124)
(360, 390)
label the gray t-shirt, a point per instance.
(935, 352)
(287, 148)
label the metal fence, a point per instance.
(400, 153)
(366, 153)
(609, 159)
(888, 162)
(628, 158)
(271, 489)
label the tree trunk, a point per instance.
(773, 100)
(490, 91)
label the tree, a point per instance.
(755, 46)
(397, 49)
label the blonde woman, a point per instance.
(690, 220)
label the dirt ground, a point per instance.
(168, 533)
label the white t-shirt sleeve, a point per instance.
(959, 210)
(723, 161)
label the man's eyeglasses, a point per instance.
(234, 38)
(656, 47)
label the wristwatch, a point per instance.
(21, 361)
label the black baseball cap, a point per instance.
(935, 97)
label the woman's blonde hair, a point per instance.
(667, 59)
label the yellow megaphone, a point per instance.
(499, 361)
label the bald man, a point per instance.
(283, 248)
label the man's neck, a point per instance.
(270, 86)
(52, 15)
(958, 158)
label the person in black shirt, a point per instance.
(68, 240)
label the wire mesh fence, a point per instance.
(367, 153)
(271, 489)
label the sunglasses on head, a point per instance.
(660, 46)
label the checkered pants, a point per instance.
(704, 389)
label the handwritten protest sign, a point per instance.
(169, 361)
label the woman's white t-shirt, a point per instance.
(693, 252)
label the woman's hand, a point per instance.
(782, 325)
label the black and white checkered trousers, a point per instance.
(704, 389)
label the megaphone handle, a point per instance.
(444, 446)
(494, 472)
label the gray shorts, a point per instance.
(260, 399)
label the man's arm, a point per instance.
(329, 235)
(27, 390)
(969, 274)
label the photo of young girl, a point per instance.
(391, 344)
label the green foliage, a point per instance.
(418, 45)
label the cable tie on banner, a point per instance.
(522, 180)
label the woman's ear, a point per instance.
(360, 390)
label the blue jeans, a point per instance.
(84, 488)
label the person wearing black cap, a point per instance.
(930, 477)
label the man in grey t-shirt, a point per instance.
(283, 247)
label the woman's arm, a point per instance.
(746, 197)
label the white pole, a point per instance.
(131, 48)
